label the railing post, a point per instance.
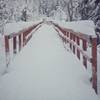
(94, 63)
(78, 43)
(70, 40)
(73, 45)
(23, 39)
(7, 49)
(84, 48)
(20, 42)
(14, 45)
(67, 34)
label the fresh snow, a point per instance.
(83, 26)
(10, 28)
(44, 70)
(16, 27)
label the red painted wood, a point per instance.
(20, 42)
(78, 43)
(67, 34)
(7, 50)
(70, 42)
(84, 48)
(77, 40)
(73, 49)
(73, 37)
(6, 44)
(73, 45)
(84, 45)
(14, 45)
(94, 63)
(24, 39)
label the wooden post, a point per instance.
(84, 48)
(7, 49)
(20, 42)
(73, 45)
(94, 63)
(78, 43)
(67, 34)
(14, 45)
(70, 40)
(7, 44)
(23, 39)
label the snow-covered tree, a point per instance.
(5, 14)
(90, 10)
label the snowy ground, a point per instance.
(9, 29)
(44, 70)
(86, 27)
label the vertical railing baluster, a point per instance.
(20, 41)
(78, 43)
(74, 45)
(7, 50)
(70, 40)
(84, 48)
(94, 63)
(14, 45)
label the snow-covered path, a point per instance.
(43, 71)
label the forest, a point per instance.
(67, 10)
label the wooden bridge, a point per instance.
(79, 42)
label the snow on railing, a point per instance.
(14, 42)
(78, 44)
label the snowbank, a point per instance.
(83, 26)
(16, 27)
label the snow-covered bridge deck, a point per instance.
(45, 70)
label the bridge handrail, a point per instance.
(19, 39)
(73, 38)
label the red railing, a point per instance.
(78, 44)
(18, 40)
